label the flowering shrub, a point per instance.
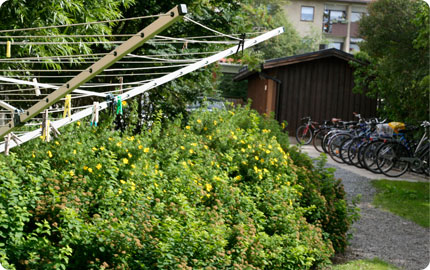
(224, 191)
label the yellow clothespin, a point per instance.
(67, 106)
(8, 45)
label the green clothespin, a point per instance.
(119, 105)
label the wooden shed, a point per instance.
(317, 84)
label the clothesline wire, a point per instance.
(210, 29)
(80, 70)
(102, 54)
(108, 36)
(157, 42)
(79, 24)
(100, 75)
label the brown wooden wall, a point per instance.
(320, 88)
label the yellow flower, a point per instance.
(125, 160)
(74, 152)
(33, 155)
(215, 122)
(133, 188)
(102, 148)
(118, 144)
(183, 148)
(57, 143)
(187, 127)
(99, 166)
(124, 103)
(191, 151)
(71, 173)
(90, 170)
(85, 168)
(133, 166)
(256, 157)
(155, 184)
(130, 155)
(122, 181)
(199, 121)
(267, 151)
(50, 154)
(237, 178)
(140, 147)
(94, 148)
(79, 143)
(146, 150)
(205, 128)
(119, 191)
(78, 123)
(208, 195)
(110, 139)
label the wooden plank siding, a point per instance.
(321, 89)
(317, 84)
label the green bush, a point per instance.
(224, 191)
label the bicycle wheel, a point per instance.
(326, 139)
(353, 152)
(425, 159)
(344, 151)
(317, 140)
(304, 135)
(390, 159)
(334, 146)
(368, 156)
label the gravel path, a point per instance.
(381, 234)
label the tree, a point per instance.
(396, 48)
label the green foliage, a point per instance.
(373, 264)
(225, 191)
(396, 46)
(406, 199)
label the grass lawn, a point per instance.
(406, 199)
(374, 264)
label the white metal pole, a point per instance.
(152, 84)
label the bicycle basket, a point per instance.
(397, 126)
(387, 130)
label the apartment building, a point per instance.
(337, 20)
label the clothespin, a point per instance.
(8, 49)
(241, 43)
(7, 142)
(95, 115)
(36, 87)
(55, 131)
(185, 46)
(67, 106)
(45, 127)
(119, 105)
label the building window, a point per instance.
(332, 16)
(307, 14)
(353, 47)
(356, 16)
(336, 45)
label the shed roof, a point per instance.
(244, 73)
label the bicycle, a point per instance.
(305, 132)
(396, 157)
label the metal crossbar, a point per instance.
(148, 86)
(128, 46)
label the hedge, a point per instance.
(222, 190)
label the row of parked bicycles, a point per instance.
(390, 148)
